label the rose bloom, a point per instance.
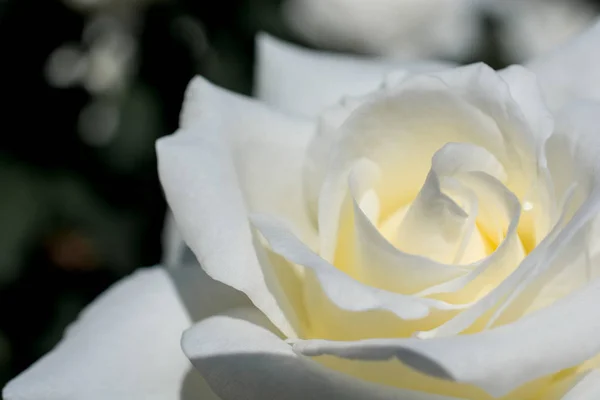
(432, 237)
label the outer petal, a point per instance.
(571, 71)
(572, 261)
(527, 93)
(305, 82)
(234, 156)
(267, 148)
(125, 346)
(498, 360)
(173, 245)
(241, 358)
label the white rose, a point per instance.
(436, 239)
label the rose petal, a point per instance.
(498, 360)
(577, 132)
(570, 71)
(257, 138)
(305, 82)
(577, 128)
(564, 271)
(588, 388)
(497, 204)
(241, 358)
(572, 262)
(540, 260)
(471, 104)
(527, 93)
(329, 132)
(319, 151)
(366, 254)
(125, 345)
(336, 303)
(219, 167)
(433, 224)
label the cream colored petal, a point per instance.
(335, 302)
(498, 360)
(497, 205)
(534, 265)
(378, 262)
(241, 358)
(434, 224)
(572, 260)
(323, 143)
(397, 132)
(569, 270)
(348, 293)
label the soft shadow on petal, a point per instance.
(343, 308)
(203, 296)
(172, 243)
(498, 360)
(241, 358)
(305, 82)
(572, 259)
(124, 346)
(194, 387)
(219, 167)
(587, 388)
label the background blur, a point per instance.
(87, 86)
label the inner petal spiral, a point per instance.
(461, 227)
